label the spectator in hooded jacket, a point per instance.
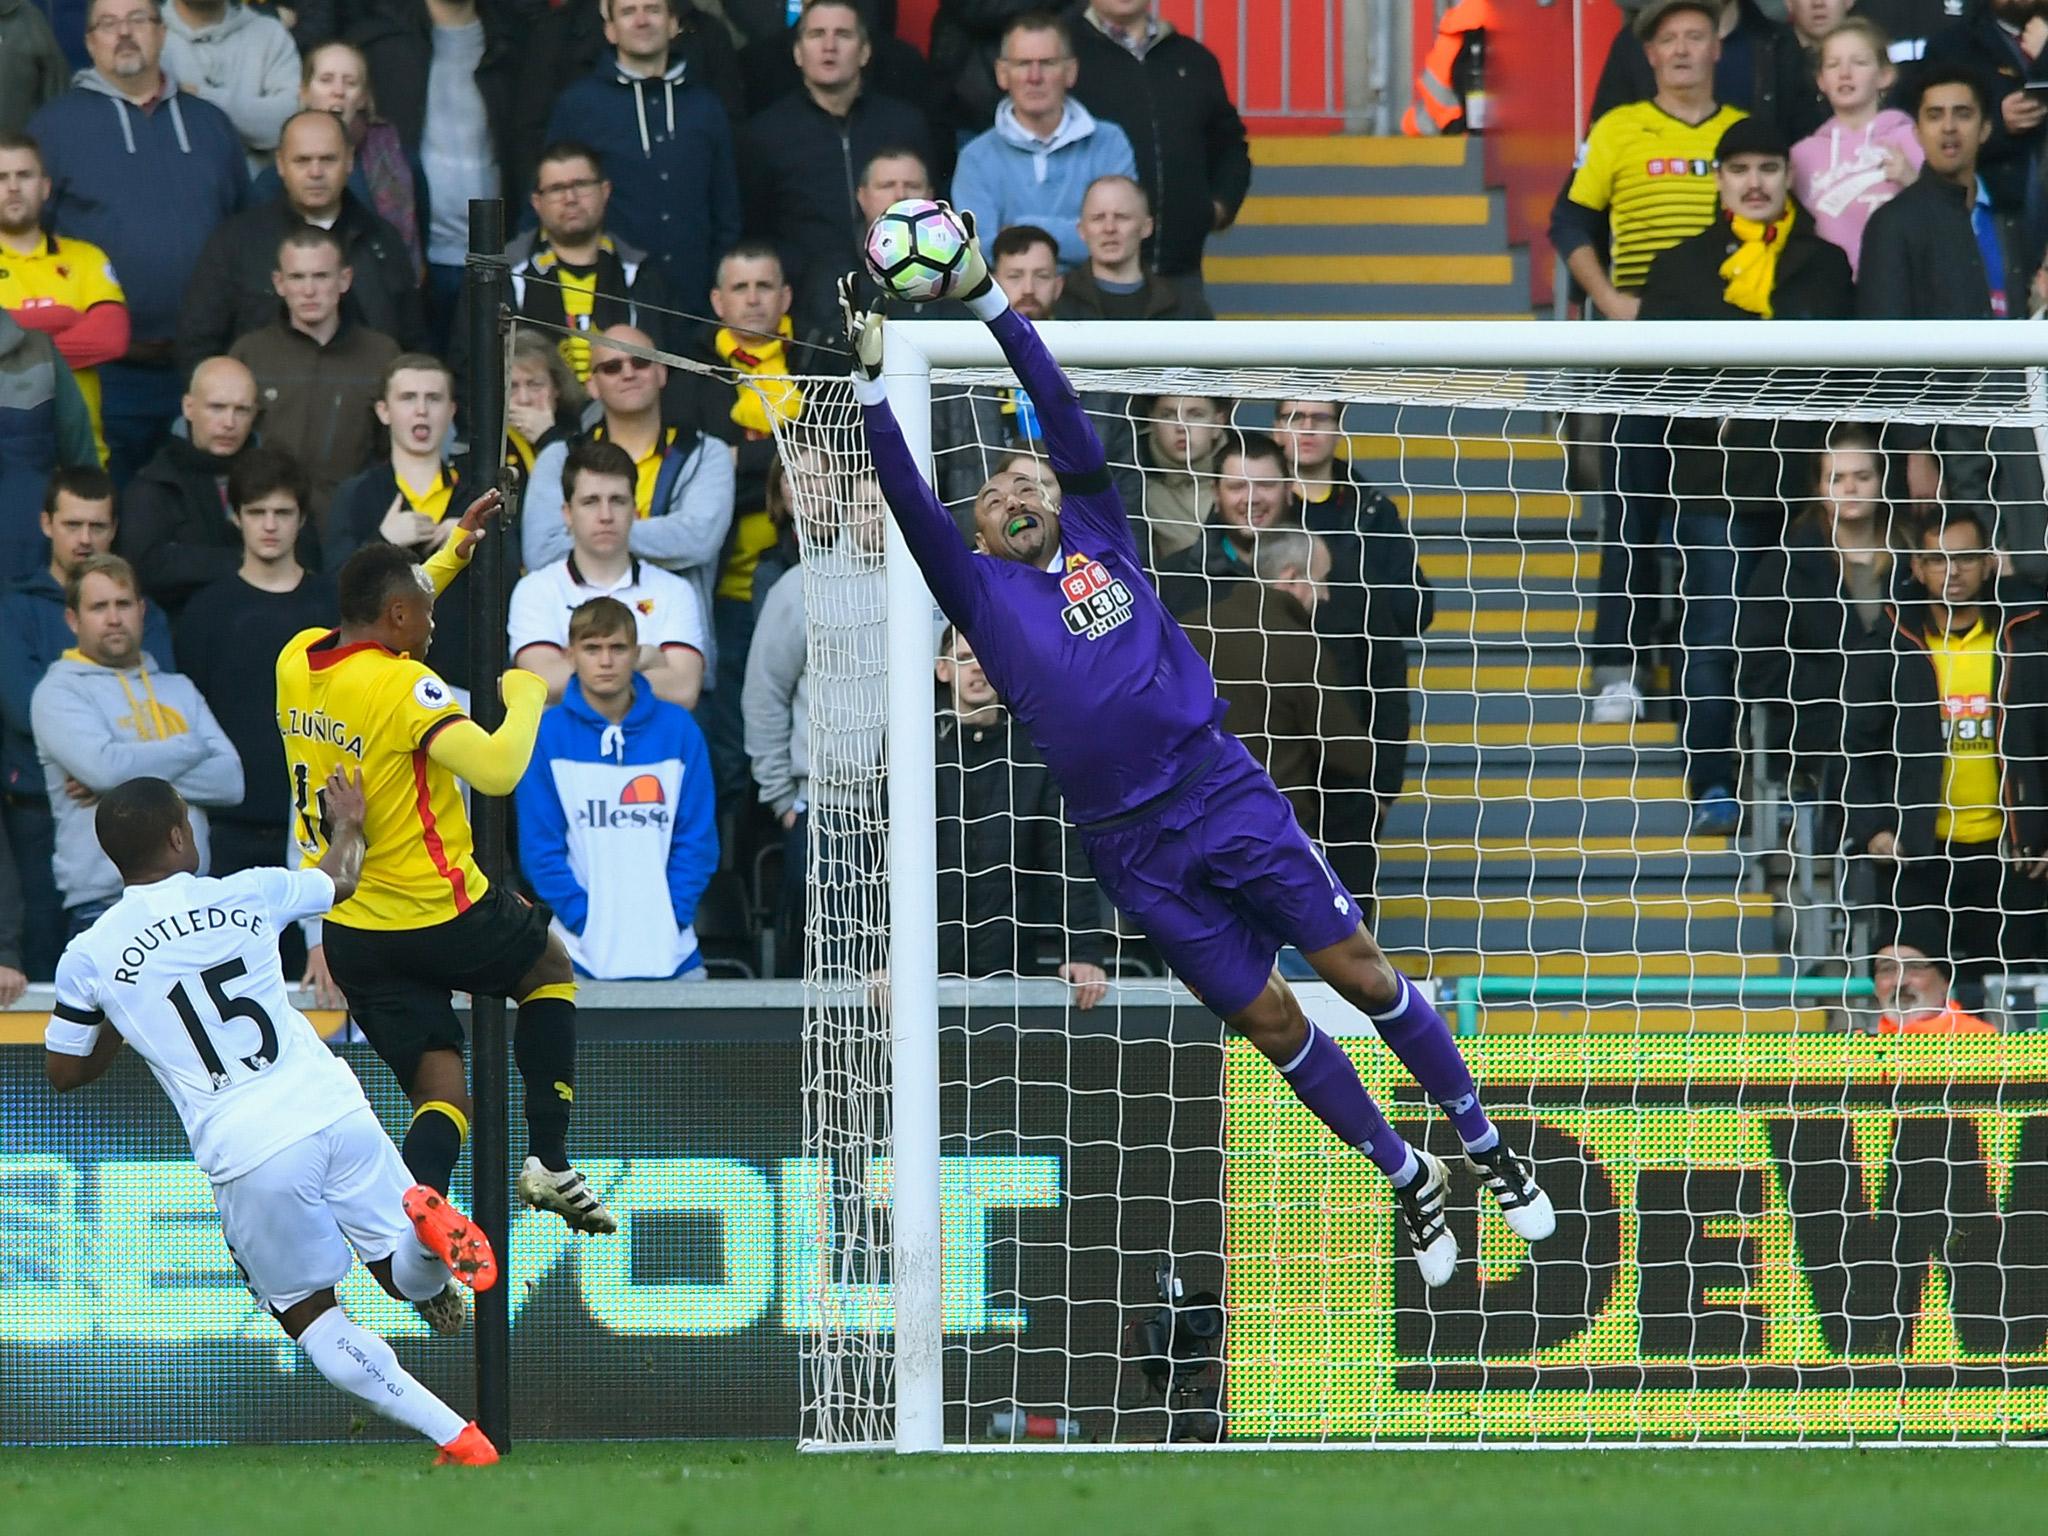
(33, 68)
(145, 172)
(803, 156)
(78, 521)
(666, 145)
(1809, 605)
(233, 292)
(1867, 153)
(1016, 897)
(1112, 284)
(106, 712)
(683, 480)
(442, 72)
(618, 825)
(242, 61)
(561, 43)
(1947, 737)
(175, 521)
(1036, 164)
(1166, 91)
(318, 373)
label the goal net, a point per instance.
(1507, 628)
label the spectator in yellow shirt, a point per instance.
(64, 288)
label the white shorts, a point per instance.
(291, 1220)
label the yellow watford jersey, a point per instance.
(363, 706)
(69, 274)
(1970, 811)
(1652, 174)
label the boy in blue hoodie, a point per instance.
(618, 822)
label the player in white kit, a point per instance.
(186, 970)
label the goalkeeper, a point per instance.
(1185, 831)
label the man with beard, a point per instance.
(64, 288)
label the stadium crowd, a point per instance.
(231, 332)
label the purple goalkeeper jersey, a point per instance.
(1119, 704)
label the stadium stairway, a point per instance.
(1358, 228)
(1530, 840)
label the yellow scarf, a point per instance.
(1752, 272)
(767, 386)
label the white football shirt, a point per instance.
(186, 970)
(665, 607)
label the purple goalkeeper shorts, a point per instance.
(1221, 879)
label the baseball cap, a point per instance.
(1647, 18)
(1752, 136)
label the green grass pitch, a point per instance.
(754, 1489)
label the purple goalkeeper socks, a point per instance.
(1417, 1033)
(1323, 1078)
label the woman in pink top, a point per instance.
(1863, 156)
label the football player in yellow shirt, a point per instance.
(424, 922)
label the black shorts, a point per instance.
(399, 981)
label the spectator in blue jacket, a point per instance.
(1036, 164)
(666, 145)
(618, 822)
(144, 171)
(78, 521)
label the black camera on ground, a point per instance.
(1178, 1349)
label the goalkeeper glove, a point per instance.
(975, 279)
(863, 327)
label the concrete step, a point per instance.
(1437, 761)
(1325, 181)
(1456, 210)
(1503, 711)
(1553, 624)
(1491, 517)
(1506, 678)
(1452, 965)
(1646, 734)
(1417, 443)
(1469, 818)
(1517, 570)
(1729, 932)
(1271, 151)
(1351, 241)
(1647, 864)
(1630, 1019)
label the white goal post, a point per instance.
(1987, 373)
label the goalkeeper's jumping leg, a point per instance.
(1415, 1032)
(544, 1049)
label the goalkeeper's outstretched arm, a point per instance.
(928, 528)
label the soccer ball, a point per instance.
(916, 249)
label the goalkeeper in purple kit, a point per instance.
(1185, 831)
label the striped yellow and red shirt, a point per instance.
(1652, 174)
(369, 708)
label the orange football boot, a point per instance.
(471, 1448)
(452, 1237)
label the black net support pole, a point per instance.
(484, 280)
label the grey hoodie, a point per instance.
(246, 64)
(846, 611)
(105, 725)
